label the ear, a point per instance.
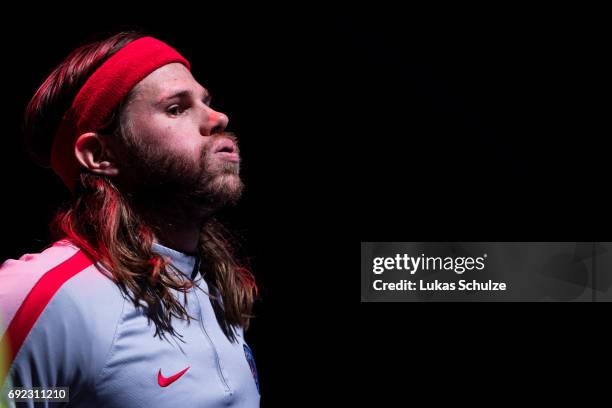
(92, 151)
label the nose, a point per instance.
(214, 122)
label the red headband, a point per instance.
(101, 94)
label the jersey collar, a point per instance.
(189, 265)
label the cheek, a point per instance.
(173, 135)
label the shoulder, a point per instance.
(24, 278)
(55, 301)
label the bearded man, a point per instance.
(140, 300)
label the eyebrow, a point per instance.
(182, 94)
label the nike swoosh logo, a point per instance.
(166, 381)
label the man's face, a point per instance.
(175, 142)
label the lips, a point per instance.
(226, 149)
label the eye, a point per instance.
(175, 110)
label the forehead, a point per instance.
(165, 80)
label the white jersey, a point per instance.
(68, 325)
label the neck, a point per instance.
(182, 238)
(176, 226)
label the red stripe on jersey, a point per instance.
(34, 304)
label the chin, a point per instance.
(226, 187)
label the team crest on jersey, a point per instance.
(249, 356)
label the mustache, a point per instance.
(215, 139)
(227, 135)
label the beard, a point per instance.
(166, 182)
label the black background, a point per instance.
(377, 125)
(480, 124)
